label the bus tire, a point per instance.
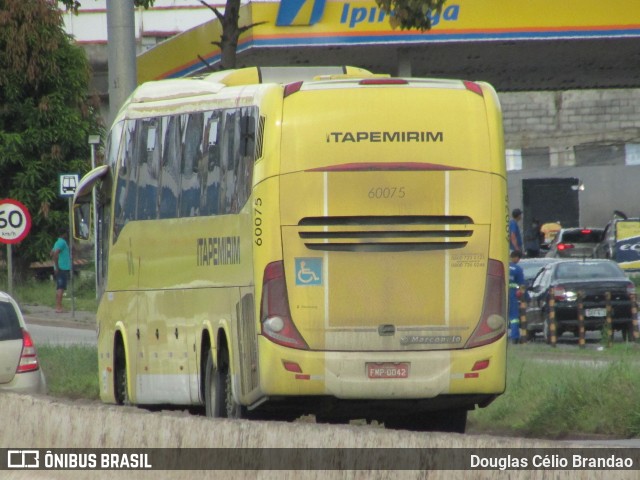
(121, 391)
(213, 394)
(232, 409)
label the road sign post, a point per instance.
(68, 185)
(15, 223)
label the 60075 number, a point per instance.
(257, 221)
(377, 193)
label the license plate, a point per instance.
(388, 370)
(595, 312)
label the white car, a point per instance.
(20, 370)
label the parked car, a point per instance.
(567, 281)
(531, 267)
(575, 243)
(621, 242)
(20, 370)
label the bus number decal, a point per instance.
(257, 221)
(377, 193)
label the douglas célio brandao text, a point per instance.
(567, 461)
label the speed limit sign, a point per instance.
(15, 221)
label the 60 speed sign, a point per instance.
(15, 221)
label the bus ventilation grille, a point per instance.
(386, 233)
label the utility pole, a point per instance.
(122, 53)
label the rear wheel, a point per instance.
(218, 394)
(120, 381)
(213, 393)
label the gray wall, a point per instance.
(582, 134)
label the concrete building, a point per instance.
(568, 78)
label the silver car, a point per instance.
(20, 370)
(575, 243)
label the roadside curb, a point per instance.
(42, 315)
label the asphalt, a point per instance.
(44, 315)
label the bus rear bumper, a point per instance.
(382, 375)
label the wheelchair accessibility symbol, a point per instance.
(309, 271)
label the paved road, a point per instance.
(69, 328)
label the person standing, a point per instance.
(61, 267)
(532, 238)
(515, 237)
(516, 279)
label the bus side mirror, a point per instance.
(82, 221)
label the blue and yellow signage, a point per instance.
(296, 23)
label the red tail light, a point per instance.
(493, 321)
(291, 88)
(565, 246)
(631, 289)
(275, 315)
(473, 87)
(28, 358)
(559, 293)
(383, 81)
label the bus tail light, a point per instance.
(473, 87)
(275, 316)
(28, 358)
(292, 88)
(493, 319)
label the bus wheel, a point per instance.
(232, 409)
(120, 375)
(213, 393)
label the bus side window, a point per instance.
(170, 176)
(149, 151)
(191, 155)
(228, 150)
(127, 178)
(211, 151)
(248, 134)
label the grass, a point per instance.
(71, 371)
(555, 394)
(42, 292)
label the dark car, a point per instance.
(531, 267)
(575, 243)
(567, 281)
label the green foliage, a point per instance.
(411, 14)
(70, 371)
(559, 395)
(36, 292)
(46, 115)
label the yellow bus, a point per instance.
(279, 242)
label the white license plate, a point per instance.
(388, 370)
(595, 312)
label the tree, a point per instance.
(411, 14)
(231, 32)
(46, 115)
